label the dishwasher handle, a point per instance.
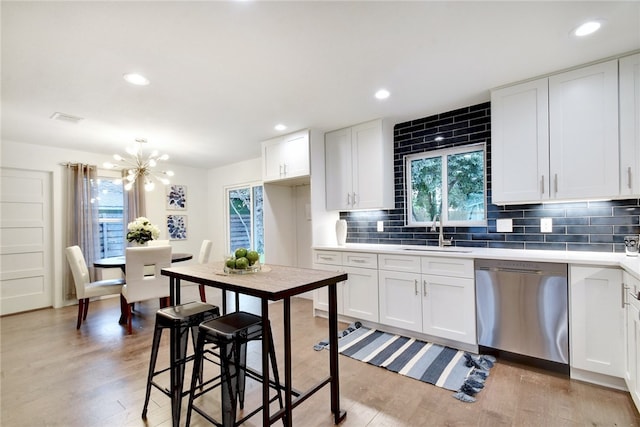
(511, 270)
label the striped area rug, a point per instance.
(441, 366)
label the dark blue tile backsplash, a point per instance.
(582, 226)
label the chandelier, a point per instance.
(140, 167)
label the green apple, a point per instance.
(241, 252)
(231, 263)
(242, 263)
(253, 256)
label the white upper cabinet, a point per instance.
(583, 130)
(359, 167)
(556, 138)
(520, 142)
(286, 157)
(630, 125)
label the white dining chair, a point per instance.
(158, 243)
(140, 285)
(203, 258)
(85, 288)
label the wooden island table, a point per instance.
(273, 283)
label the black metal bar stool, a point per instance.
(230, 334)
(179, 319)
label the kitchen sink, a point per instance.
(437, 249)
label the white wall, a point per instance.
(49, 159)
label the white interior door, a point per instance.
(25, 229)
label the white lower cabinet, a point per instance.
(358, 295)
(596, 320)
(632, 341)
(440, 304)
(400, 301)
(448, 308)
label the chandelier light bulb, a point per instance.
(139, 166)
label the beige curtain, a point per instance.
(82, 217)
(134, 201)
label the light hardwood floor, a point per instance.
(53, 375)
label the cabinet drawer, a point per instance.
(357, 259)
(327, 257)
(409, 264)
(453, 267)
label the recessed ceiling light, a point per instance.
(279, 126)
(382, 94)
(587, 28)
(136, 79)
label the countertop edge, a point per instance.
(607, 259)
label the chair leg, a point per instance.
(80, 311)
(86, 309)
(123, 310)
(129, 319)
(197, 368)
(157, 335)
(203, 295)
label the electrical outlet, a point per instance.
(546, 225)
(504, 225)
(380, 226)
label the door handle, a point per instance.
(542, 185)
(629, 176)
(624, 289)
(415, 285)
(424, 287)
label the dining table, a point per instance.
(121, 261)
(273, 283)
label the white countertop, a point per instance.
(629, 264)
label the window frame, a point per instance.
(111, 175)
(227, 215)
(443, 154)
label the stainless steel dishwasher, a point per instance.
(522, 308)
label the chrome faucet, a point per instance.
(441, 240)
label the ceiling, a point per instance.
(223, 74)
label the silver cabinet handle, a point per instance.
(359, 260)
(285, 169)
(424, 287)
(415, 285)
(354, 198)
(542, 185)
(624, 289)
(348, 199)
(629, 178)
(555, 183)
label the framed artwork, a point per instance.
(176, 197)
(177, 227)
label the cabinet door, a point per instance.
(630, 125)
(295, 152)
(368, 166)
(400, 301)
(272, 154)
(632, 338)
(448, 308)
(520, 143)
(583, 127)
(321, 296)
(633, 320)
(360, 293)
(338, 176)
(597, 320)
